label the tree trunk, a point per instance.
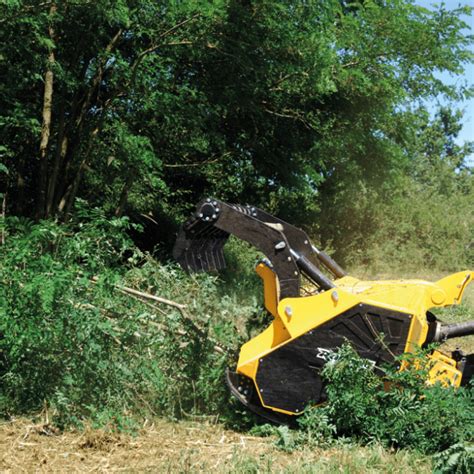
(67, 147)
(69, 197)
(4, 213)
(61, 149)
(124, 195)
(67, 201)
(19, 196)
(68, 194)
(46, 126)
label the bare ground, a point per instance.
(166, 446)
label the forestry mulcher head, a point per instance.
(278, 371)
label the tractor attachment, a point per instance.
(278, 371)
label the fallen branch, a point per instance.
(219, 348)
(147, 296)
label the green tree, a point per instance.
(421, 218)
(144, 106)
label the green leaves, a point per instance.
(394, 409)
(458, 459)
(156, 104)
(91, 351)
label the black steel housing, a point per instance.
(200, 243)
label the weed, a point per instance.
(457, 459)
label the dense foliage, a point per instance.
(82, 348)
(86, 349)
(310, 109)
(396, 410)
(425, 220)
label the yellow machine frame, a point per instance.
(294, 317)
(382, 319)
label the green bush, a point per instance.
(411, 414)
(458, 459)
(87, 350)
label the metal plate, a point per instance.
(289, 377)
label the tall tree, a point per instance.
(156, 103)
(46, 125)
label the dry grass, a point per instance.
(180, 447)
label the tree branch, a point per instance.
(148, 296)
(98, 76)
(181, 307)
(155, 46)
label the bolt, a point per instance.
(246, 392)
(239, 389)
(280, 245)
(289, 259)
(335, 296)
(261, 360)
(207, 218)
(208, 200)
(217, 210)
(214, 216)
(214, 203)
(306, 242)
(289, 311)
(201, 215)
(296, 273)
(261, 390)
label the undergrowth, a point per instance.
(73, 341)
(398, 410)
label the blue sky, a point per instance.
(467, 133)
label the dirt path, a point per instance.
(180, 447)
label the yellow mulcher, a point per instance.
(278, 371)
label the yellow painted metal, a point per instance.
(294, 317)
(443, 370)
(454, 286)
(270, 287)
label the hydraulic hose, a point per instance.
(329, 263)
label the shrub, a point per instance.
(86, 350)
(410, 414)
(458, 459)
